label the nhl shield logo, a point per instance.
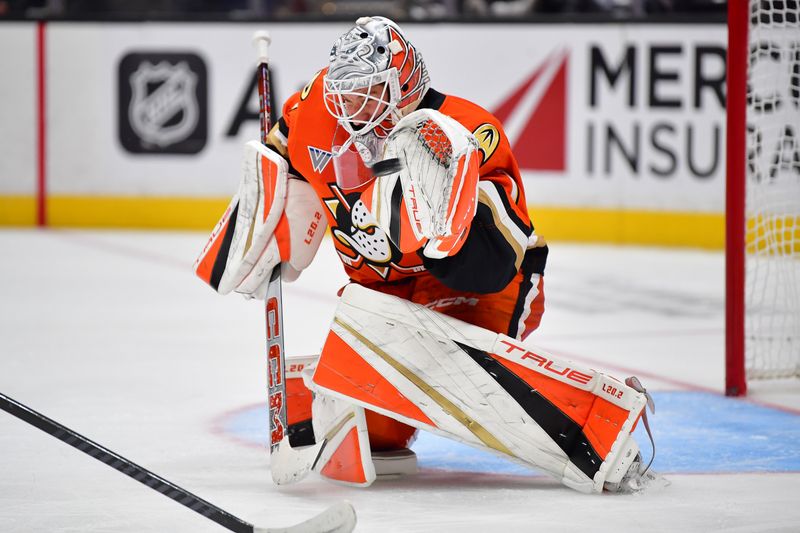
(163, 108)
(162, 103)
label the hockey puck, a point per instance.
(386, 167)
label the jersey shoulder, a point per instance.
(487, 128)
(467, 112)
(311, 95)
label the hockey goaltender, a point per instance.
(426, 206)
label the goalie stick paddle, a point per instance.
(339, 518)
(287, 465)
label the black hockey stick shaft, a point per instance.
(276, 357)
(121, 464)
(262, 41)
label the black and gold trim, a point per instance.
(277, 141)
(276, 138)
(221, 261)
(534, 263)
(512, 214)
(505, 219)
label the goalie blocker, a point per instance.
(393, 358)
(274, 218)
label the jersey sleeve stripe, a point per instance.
(277, 140)
(509, 199)
(283, 128)
(514, 232)
(532, 270)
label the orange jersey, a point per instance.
(304, 136)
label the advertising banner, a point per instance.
(602, 117)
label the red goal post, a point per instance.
(735, 381)
(763, 193)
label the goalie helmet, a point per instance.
(374, 74)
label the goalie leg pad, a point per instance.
(387, 434)
(479, 387)
(344, 462)
(629, 454)
(345, 454)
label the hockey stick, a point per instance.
(287, 465)
(339, 518)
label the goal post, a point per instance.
(736, 105)
(763, 192)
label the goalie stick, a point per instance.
(287, 465)
(339, 518)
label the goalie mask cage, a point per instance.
(763, 192)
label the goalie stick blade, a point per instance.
(289, 465)
(338, 518)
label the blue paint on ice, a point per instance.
(703, 432)
(695, 432)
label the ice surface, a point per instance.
(111, 334)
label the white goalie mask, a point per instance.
(373, 75)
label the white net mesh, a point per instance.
(772, 293)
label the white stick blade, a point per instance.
(338, 518)
(289, 465)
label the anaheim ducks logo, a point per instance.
(488, 138)
(362, 242)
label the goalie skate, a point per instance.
(393, 464)
(629, 474)
(638, 478)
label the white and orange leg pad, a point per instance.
(388, 439)
(345, 454)
(479, 387)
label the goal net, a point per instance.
(771, 197)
